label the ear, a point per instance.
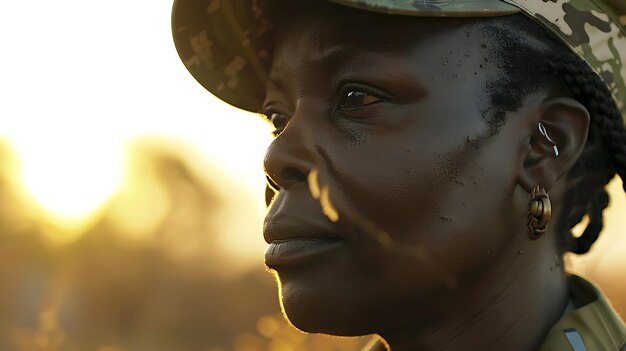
(566, 123)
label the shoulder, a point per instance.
(593, 325)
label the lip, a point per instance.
(297, 251)
(284, 228)
(293, 241)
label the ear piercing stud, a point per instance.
(544, 132)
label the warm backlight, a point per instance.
(68, 177)
(81, 82)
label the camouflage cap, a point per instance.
(225, 44)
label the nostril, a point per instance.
(272, 184)
(293, 175)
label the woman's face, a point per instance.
(418, 197)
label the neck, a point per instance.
(510, 307)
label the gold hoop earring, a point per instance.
(539, 212)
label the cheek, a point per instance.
(484, 206)
(417, 193)
(400, 178)
(396, 184)
(483, 217)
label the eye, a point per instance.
(279, 121)
(353, 98)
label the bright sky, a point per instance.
(80, 79)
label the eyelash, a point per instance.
(268, 116)
(341, 107)
(346, 89)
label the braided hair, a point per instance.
(604, 154)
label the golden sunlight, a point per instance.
(69, 182)
(81, 87)
(150, 191)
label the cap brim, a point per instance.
(434, 8)
(225, 46)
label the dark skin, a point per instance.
(432, 204)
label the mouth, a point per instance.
(295, 241)
(298, 251)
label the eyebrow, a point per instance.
(333, 59)
(337, 60)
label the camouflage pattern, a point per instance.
(226, 45)
(424, 8)
(592, 29)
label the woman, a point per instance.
(430, 160)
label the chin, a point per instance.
(328, 312)
(313, 319)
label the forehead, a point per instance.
(324, 22)
(331, 35)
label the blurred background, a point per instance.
(131, 200)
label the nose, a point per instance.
(289, 158)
